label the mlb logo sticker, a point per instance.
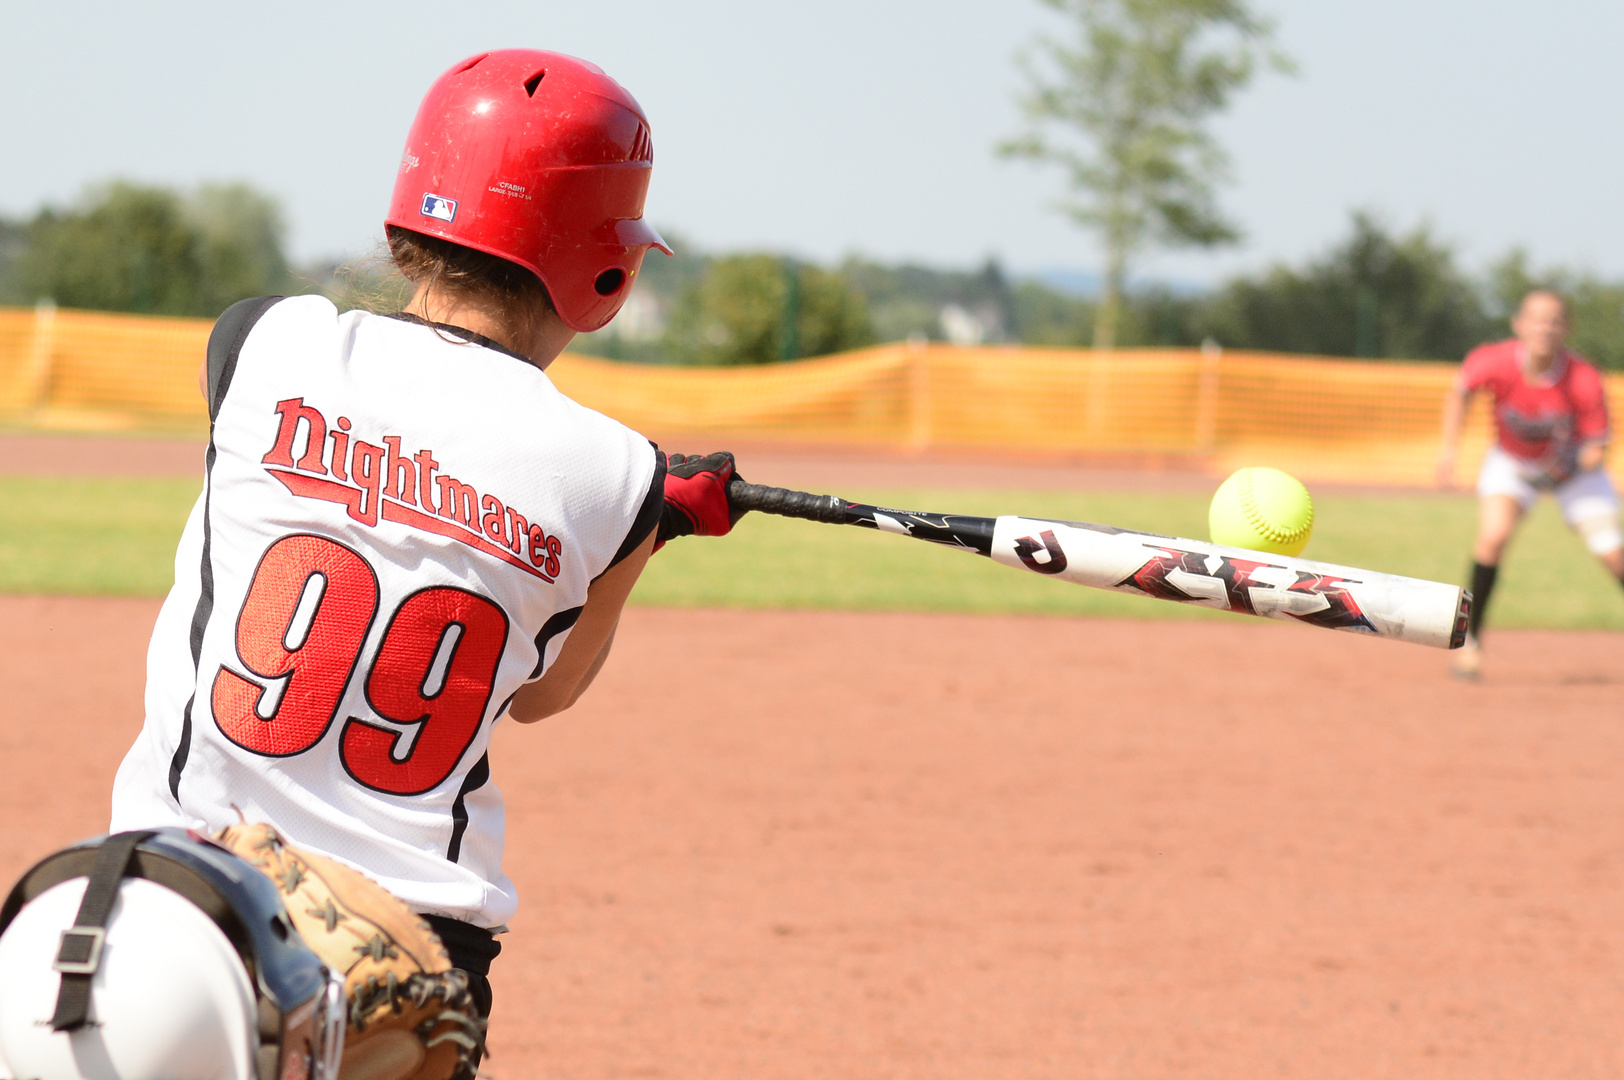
(436, 206)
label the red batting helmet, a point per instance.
(540, 159)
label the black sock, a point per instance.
(1482, 585)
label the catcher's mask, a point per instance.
(177, 961)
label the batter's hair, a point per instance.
(488, 282)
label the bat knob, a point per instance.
(1463, 617)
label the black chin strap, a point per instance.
(79, 953)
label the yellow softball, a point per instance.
(1262, 510)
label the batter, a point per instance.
(406, 532)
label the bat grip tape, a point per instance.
(784, 502)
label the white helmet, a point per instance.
(160, 956)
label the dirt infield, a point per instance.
(840, 845)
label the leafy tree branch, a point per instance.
(1122, 111)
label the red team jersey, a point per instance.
(1539, 420)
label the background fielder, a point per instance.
(1551, 434)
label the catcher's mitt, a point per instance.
(410, 1013)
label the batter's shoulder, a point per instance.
(594, 424)
(234, 325)
(245, 314)
(226, 340)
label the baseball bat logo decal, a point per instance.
(1026, 548)
(1341, 611)
(1153, 578)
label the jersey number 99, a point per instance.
(299, 637)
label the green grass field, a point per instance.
(91, 535)
(117, 537)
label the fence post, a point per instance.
(1101, 388)
(34, 381)
(1206, 399)
(918, 395)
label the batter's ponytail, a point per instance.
(502, 289)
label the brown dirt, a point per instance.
(793, 845)
(95, 455)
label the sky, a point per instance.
(846, 126)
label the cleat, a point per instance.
(1468, 661)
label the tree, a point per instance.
(755, 309)
(1046, 317)
(1124, 112)
(13, 239)
(240, 234)
(129, 247)
(907, 301)
(1373, 295)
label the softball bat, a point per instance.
(1164, 567)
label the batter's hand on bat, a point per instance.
(696, 496)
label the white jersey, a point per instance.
(397, 531)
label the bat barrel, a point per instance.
(1233, 579)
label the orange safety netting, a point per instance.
(97, 370)
(1319, 418)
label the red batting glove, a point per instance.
(696, 501)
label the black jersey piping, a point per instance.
(477, 777)
(648, 515)
(480, 774)
(462, 332)
(225, 344)
(559, 622)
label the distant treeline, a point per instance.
(1376, 293)
(127, 247)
